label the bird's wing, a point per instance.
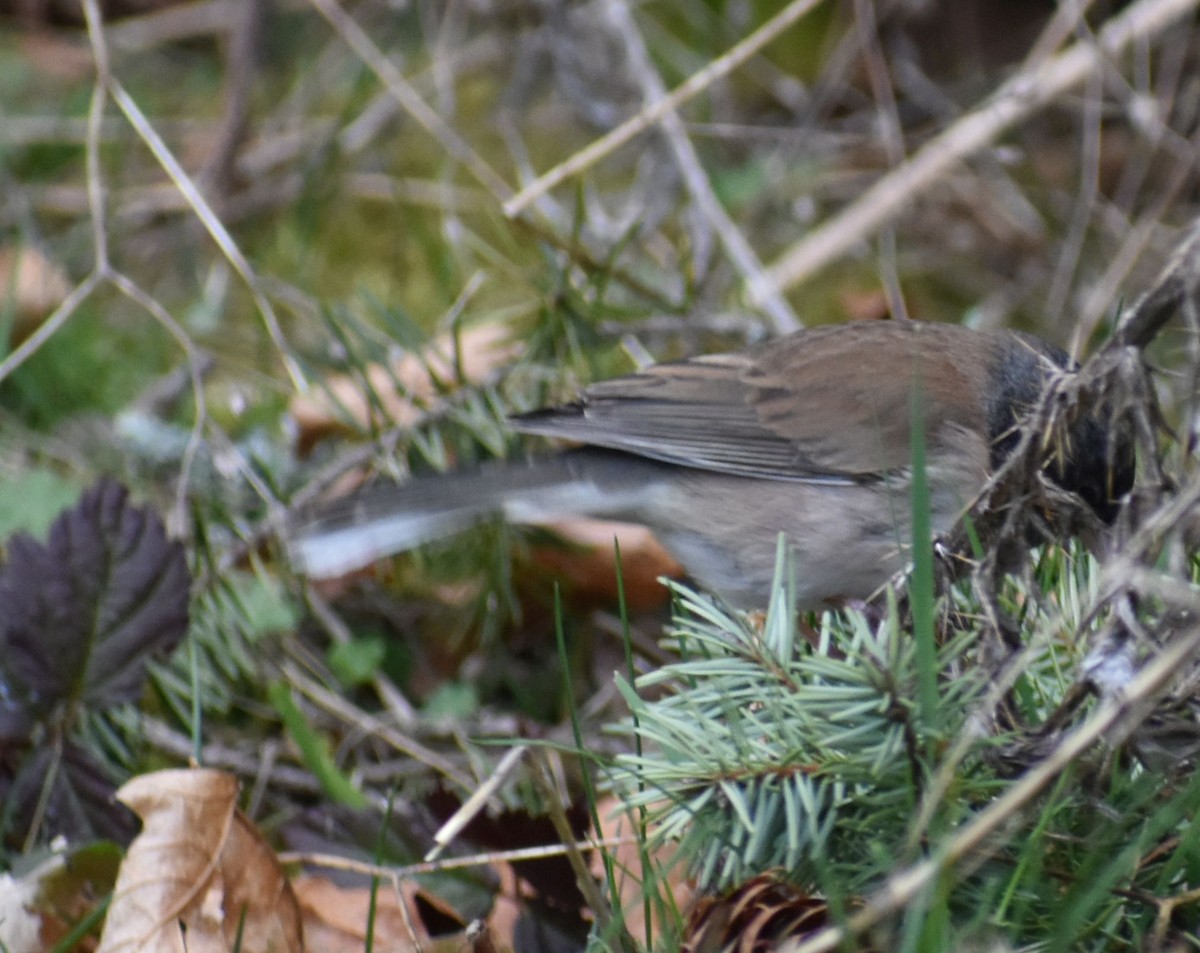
(825, 405)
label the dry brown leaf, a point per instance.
(618, 822)
(507, 910)
(590, 568)
(404, 392)
(198, 868)
(335, 918)
(31, 284)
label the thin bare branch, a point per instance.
(1028, 91)
(404, 93)
(654, 112)
(783, 318)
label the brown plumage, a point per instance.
(809, 435)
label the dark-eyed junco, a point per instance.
(809, 435)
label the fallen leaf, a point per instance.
(402, 393)
(589, 563)
(336, 918)
(199, 877)
(618, 822)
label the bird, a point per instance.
(809, 435)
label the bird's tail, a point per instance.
(385, 519)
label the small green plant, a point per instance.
(764, 754)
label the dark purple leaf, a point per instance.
(80, 616)
(79, 804)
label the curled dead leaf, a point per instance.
(336, 918)
(199, 869)
(402, 393)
